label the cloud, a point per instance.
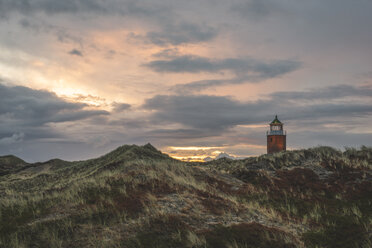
(167, 27)
(96, 7)
(50, 7)
(181, 135)
(336, 138)
(15, 138)
(63, 34)
(181, 119)
(120, 107)
(25, 106)
(76, 52)
(332, 92)
(258, 9)
(203, 84)
(176, 34)
(218, 113)
(201, 111)
(38, 119)
(197, 64)
(245, 69)
(332, 38)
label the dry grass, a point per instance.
(139, 197)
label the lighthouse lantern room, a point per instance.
(276, 137)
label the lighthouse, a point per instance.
(276, 137)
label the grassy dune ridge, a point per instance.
(135, 196)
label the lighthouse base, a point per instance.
(276, 143)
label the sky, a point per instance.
(197, 79)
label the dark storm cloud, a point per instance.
(76, 52)
(220, 113)
(27, 107)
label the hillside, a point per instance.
(135, 196)
(11, 164)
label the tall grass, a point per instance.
(139, 197)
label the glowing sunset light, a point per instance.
(193, 148)
(189, 158)
(253, 126)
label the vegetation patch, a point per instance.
(247, 235)
(138, 197)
